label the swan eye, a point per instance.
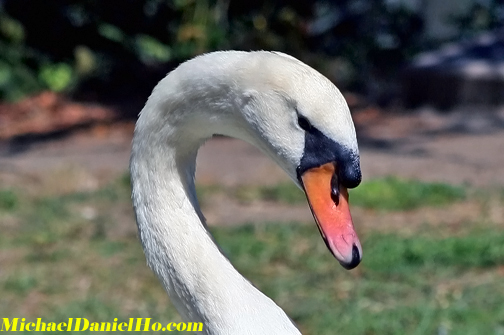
(304, 123)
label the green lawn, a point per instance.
(77, 255)
(387, 194)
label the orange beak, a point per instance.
(329, 204)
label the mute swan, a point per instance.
(275, 102)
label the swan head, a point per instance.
(300, 119)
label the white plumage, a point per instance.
(256, 97)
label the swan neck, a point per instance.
(201, 282)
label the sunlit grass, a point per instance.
(392, 193)
(287, 193)
(77, 255)
(404, 285)
(389, 194)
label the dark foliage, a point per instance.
(118, 49)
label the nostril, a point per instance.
(335, 193)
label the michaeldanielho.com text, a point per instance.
(83, 324)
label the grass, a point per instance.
(285, 192)
(403, 286)
(77, 255)
(392, 193)
(8, 200)
(387, 194)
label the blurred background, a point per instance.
(424, 80)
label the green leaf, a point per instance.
(150, 48)
(57, 77)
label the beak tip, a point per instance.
(355, 260)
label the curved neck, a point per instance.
(201, 282)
